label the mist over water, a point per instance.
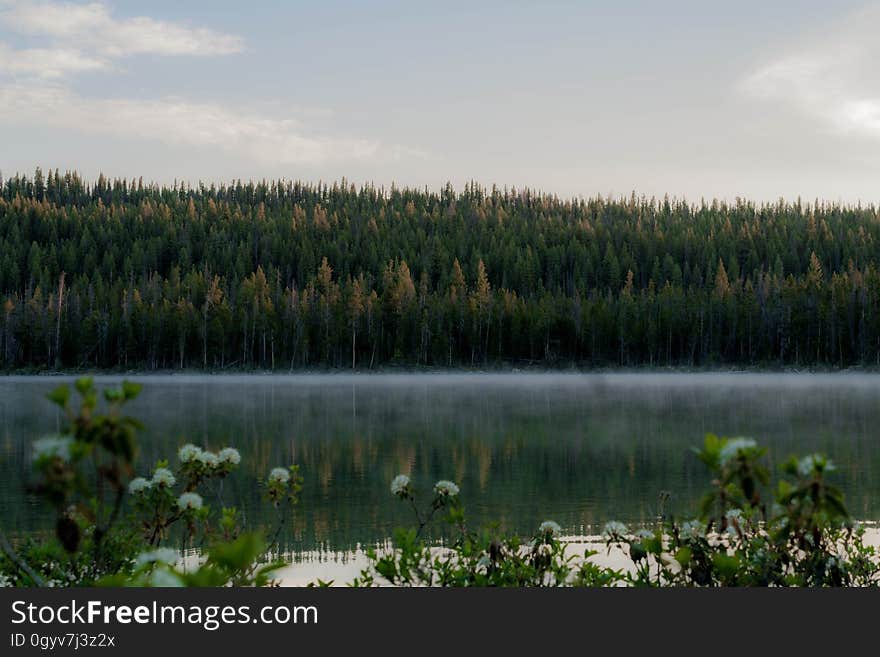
(577, 448)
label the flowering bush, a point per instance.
(474, 558)
(86, 475)
(803, 537)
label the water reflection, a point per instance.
(580, 449)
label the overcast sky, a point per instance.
(759, 99)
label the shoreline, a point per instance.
(342, 567)
(499, 368)
(464, 372)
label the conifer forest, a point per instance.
(279, 275)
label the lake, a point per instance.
(578, 449)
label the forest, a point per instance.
(281, 275)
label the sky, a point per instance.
(695, 99)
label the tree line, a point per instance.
(287, 275)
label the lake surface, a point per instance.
(579, 449)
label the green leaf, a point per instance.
(654, 545)
(131, 390)
(238, 554)
(113, 395)
(84, 385)
(683, 556)
(59, 396)
(725, 564)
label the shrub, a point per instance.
(111, 524)
(805, 537)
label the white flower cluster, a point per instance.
(5, 581)
(644, 533)
(549, 527)
(229, 455)
(444, 488)
(809, 463)
(160, 555)
(52, 446)
(733, 447)
(188, 453)
(164, 477)
(208, 459)
(279, 476)
(693, 529)
(139, 485)
(482, 566)
(400, 485)
(190, 501)
(615, 528)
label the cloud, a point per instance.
(47, 62)
(861, 114)
(36, 88)
(91, 26)
(179, 122)
(833, 80)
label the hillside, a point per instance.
(293, 275)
